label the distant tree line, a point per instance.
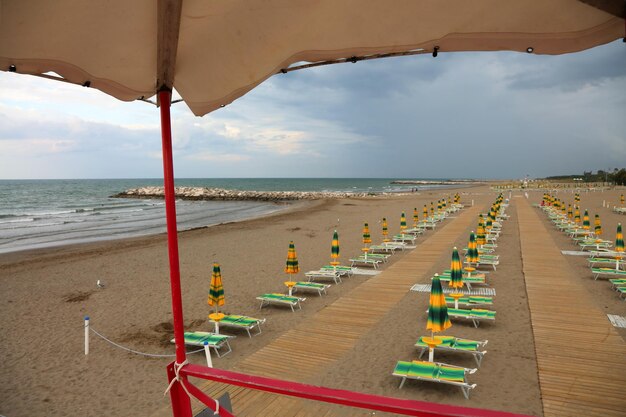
(617, 177)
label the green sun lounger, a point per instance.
(382, 249)
(618, 282)
(605, 261)
(214, 341)
(242, 322)
(468, 281)
(455, 344)
(434, 372)
(280, 299)
(340, 270)
(611, 272)
(622, 292)
(475, 315)
(369, 261)
(311, 286)
(323, 274)
(407, 237)
(472, 300)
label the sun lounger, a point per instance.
(311, 286)
(611, 272)
(382, 248)
(472, 300)
(454, 344)
(488, 262)
(339, 269)
(369, 261)
(618, 282)
(242, 322)
(594, 244)
(280, 299)
(475, 315)
(475, 279)
(434, 372)
(407, 237)
(323, 274)
(593, 261)
(214, 341)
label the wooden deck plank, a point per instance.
(580, 357)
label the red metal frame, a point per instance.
(181, 404)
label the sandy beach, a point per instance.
(45, 294)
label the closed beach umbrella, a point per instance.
(425, 211)
(432, 208)
(402, 223)
(415, 217)
(621, 198)
(570, 213)
(586, 224)
(577, 215)
(480, 232)
(366, 238)
(334, 249)
(385, 230)
(456, 276)
(472, 250)
(438, 319)
(619, 244)
(291, 266)
(216, 288)
(597, 226)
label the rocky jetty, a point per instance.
(203, 193)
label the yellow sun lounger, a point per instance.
(435, 372)
(280, 299)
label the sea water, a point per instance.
(46, 213)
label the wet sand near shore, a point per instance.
(45, 294)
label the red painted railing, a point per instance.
(329, 395)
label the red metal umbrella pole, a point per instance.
(181, 404)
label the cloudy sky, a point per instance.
(460, 115)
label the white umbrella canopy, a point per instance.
(213, 52)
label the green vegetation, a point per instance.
(617, 177)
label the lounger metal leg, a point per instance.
(402, 382)
(465, 392)
(479, 358)
(421, 353)
(476, 323)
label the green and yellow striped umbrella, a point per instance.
(577, 197)
(456, 270)
(438, 206)
(472, 250)
(334, 249)
(402, 222)
(432, 209)
(425, 211)
(385, 230)
(586, 224)
(415, 217)
(481, 238)
(577, 215)
(366, 234)
(619, 245)
(621, 198)
(292, 260)
(570, 213)
(438, 319)
(619, 239)
(597, 226)
(216, 288)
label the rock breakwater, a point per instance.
(204, 193)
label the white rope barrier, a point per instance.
(151, 355)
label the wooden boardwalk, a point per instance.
(312, 347)
(580, 356)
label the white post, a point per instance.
(472, 202)
(290, 291)
(217, 327)
(207, 353)
(431, 355)
(86, 335)
(603, 203)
